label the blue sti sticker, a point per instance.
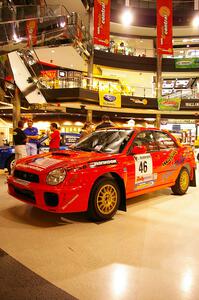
(109, 98)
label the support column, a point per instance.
(90, 61)
(158, 120)
(16, 108)
(159, 76)
(89, 116)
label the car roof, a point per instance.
(135, 128)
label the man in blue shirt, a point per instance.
(32, 135)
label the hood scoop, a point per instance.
(60, 154)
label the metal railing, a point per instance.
(80, 81)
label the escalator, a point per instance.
(23, 26)
(26, 27)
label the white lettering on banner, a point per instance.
(144, 176)
(103, 13)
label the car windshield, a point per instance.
(110, 141)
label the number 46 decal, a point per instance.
(143, 167)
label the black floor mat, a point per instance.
(19, 283)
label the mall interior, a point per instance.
(59, 65)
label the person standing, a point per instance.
(20, 140)
(54, 138)
(106, 122)
(32, 134)
(86, 130)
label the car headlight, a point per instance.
(56, 176)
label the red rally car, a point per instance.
(103, 170)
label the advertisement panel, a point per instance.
(187, 63)
(139, 102)
(164, 27)
(169, 103)
(112, 99)
(102, 22)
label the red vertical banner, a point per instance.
(31, 31)
(102, 22)
(164, 27)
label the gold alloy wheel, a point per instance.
(184, 180)
(107, 199)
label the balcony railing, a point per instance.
(79, 81)
(150, 52)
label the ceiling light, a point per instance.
(127, 17)
(195, 21)
(62, 24)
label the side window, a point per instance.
(164, 141)
(146, 139)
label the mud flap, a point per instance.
(193, 181)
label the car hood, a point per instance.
(67, 158)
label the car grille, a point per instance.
(25, 195)
(26, 176)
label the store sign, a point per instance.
(49, 74)
(110, 99)
(169, 104)
(164, 27)
(188, 104)
(31, 32)
(139, 102)
(187, 63)
(102, 22)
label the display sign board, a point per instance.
(164, 27)
(112, 99)
(102, 22)
(139, 102)
(187, 104)
(49, 74)
(187, 63)
(169, 103)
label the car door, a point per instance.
(166, 157)
(142, 168)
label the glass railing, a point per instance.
(129, 51)
(79, 81)
(147, 52)
(151, 4)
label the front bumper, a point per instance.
(58, 199)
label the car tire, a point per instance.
(104, 200)
(10, 163)
(182, 182)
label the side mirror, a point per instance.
(138, 150)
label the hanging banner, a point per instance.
(31, 32)
(187, 63)
(169, 104)
(164, 27)
(102, 22)
(112, 99)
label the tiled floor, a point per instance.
(149, 253)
